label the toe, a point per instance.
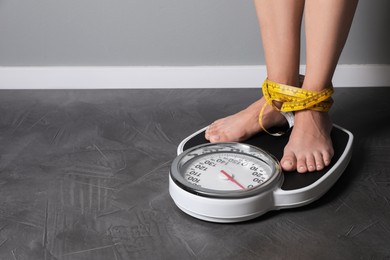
(310, 163)
(288, 161)
(214, 138)
(212, 134)
(327, 156)
(301, 164)
(207, 133)
(319, 161)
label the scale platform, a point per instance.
(296, 189)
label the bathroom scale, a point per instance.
(232, 182)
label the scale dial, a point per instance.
(225, 170)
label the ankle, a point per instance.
(316, 84)
(290, 80)
(306, 118)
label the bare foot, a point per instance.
(244, 124)
(310, 146)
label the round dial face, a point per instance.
(224, 169)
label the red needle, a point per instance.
(232, 179)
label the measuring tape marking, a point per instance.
(293, 99)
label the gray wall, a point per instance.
(159, 32)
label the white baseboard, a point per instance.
(171, 77)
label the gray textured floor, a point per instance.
(84, 175)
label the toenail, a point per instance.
(215, 137)
(287, 163)
(327, 162)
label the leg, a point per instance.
(327, 23)
(280, 24)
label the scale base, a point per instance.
(295, 190)
(219, 219)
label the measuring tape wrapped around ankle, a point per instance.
(293, 99)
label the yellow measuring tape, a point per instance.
(293, 99)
